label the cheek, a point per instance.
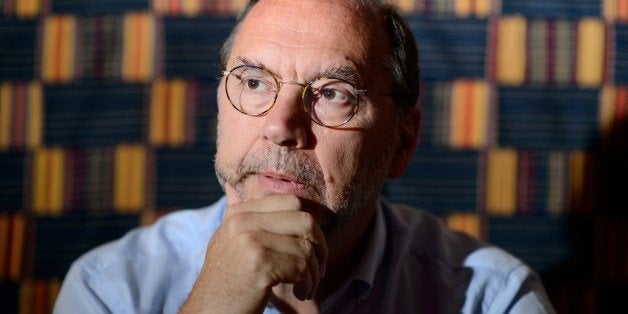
(340, 159)
(236, 133)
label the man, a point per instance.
(317, 107)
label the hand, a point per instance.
(260, 244)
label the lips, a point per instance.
(274, 182)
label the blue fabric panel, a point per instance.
(85, 7)
(17, 51)
(548, 245)
(192, 45)
(186, 178)
(60, 240)
(555, 8)
(450, 47)
(621, 54)
(440, 181)
(94, 114)
(547, 117)
(206, 114)
(11, 181)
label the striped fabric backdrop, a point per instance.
(107, 122)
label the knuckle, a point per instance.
(237, 222)
(308, 221)
(308, 248)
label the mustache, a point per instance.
(283, 160)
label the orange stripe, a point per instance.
(467, 114)
(17, 247)
(174, 6)
(622, 10)
(139, 32)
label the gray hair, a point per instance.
(402, 62)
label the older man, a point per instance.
(317, 108)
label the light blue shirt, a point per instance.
(412, 264)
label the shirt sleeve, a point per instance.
(78, 294)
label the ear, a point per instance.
(407, 140)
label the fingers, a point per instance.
(300, 250)
(284, 239)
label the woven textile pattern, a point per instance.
(107, 122)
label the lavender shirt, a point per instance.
(412, 264)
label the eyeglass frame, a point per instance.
(279, 84)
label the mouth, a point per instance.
(274, 182)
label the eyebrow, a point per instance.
(347, 73)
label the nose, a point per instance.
(287, 124)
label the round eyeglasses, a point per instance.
(328, 101)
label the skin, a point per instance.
(270, 246)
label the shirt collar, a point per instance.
(365, 271)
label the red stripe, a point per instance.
(492, 60)
(467, 114)
(621, 104)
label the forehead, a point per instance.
(306, 34)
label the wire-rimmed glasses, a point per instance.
(328, 101)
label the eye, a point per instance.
(333, 95)
(254, 84)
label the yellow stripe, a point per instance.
(577, 162)
(130, 178)
(502, 182)
(191, 7)
(128, 48)
(35, 117)
(27, 8)
(26, 297)
(57, 172)
(511, 50)
(177, 112)
(148, 41)
(607, 108)
(4, 244)
(54, 286)
(17, 248)
(610, 10)
(480, 114)
(138, 183)
(457, 101)
(482, 8)
(467, 223)
(160, 6)
(406, 6)
(68, 50)
(137, 67)
(590, 64)
(157, 113)
(463, 8)
(5, 115)
(120, 182)
(39, 181)
(47, 56)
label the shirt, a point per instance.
(411, 264)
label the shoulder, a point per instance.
(495, 280)
(173, 235)
(137, 270)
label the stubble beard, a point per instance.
(340, 207)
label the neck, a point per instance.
(346, 247)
